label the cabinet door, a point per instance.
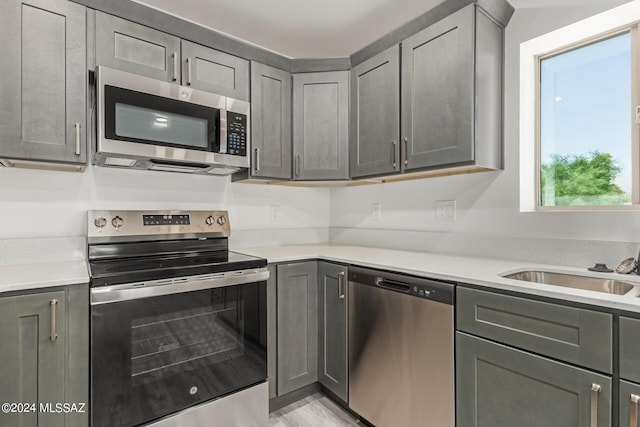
(214, 71)
(320, 125)
(270, 122)
(297, 326)
(498, 386)
(44, 80)
(629, 397)
(332, 328)
(32, 365)
(437, 93)
(375, 115)
(272, 331)
(141, 50)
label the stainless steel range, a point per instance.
(178, 322)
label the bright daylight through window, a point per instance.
(585, 125)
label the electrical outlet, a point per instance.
(446, 210)
(376, 211)
(274, 213)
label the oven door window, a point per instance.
(155, 356)
(150, 119)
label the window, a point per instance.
(579, 131)
(585, 125)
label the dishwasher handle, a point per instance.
(394, 285)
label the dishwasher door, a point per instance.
(401, 357)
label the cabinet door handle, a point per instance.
(257, 159)
(633, 410)
(405, 159)
(174, 55)
(595, 389)
(341, 285)
(393, 154)
(76, 127)
(297, 167)
(52, 305)
(189, 71)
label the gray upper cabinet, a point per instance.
(214, 71)
(44, 80)
(451, 93)
(332, 328)
(375, 115)
(44, 356)
(127, 46)
(498, 386)
(297, 326)
(270, 122)
(132, 47)
(321, 126)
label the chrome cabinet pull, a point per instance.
(76, 126)
(393, 154)
(633, 410)
(341, 285)
(189, 71)
(595, 389)
(52, 305)
(405, 159)
(297, 165)
(257, 159)
(174, 55)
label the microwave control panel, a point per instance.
(236, 134)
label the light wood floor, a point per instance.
(316, 410)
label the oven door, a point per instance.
(151, 357)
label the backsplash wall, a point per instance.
(36, 203)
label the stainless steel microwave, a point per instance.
(144, 123)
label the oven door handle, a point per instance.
(117, 293)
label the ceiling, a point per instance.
(316, 29)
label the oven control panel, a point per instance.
(110, 225)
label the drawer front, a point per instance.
(630, 349)
(574, 335)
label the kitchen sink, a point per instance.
(609, 286)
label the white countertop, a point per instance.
(42, 275)
(478, 271)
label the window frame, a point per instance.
(625, 18)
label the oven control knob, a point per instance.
(117, 221)
(210, 220)
(100, 221)
(222, 220)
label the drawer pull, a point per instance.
(595, 389)
(633, 410)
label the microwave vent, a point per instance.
(120, 161)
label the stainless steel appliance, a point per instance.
(144, 123)
(178, 322)
(401, 358)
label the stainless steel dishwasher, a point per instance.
(401, 359)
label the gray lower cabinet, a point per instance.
(630, 349)
(332, 328)
(270, 122)
(374, 147)
(297, 325)
(44, 81)
(127, 46)
(452, 93)
(498, 386)
(321, 126)
(45, 356)
(214, 71)
(629, 399)
(272, 331)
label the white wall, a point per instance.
(36, 203)
(487, 203)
